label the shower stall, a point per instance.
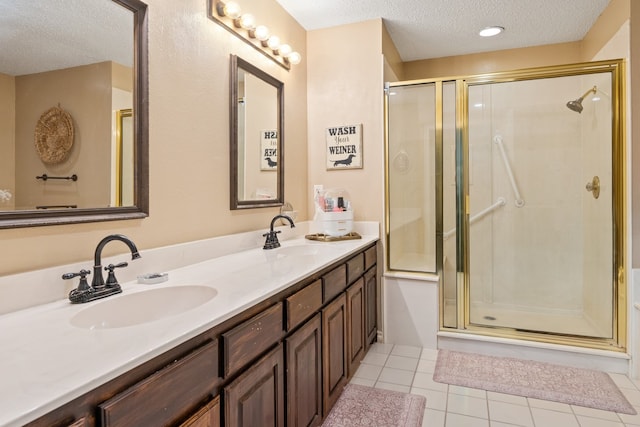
(508, 188)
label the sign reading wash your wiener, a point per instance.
(344, 147)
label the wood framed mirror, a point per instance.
(62, 56)
(256, 105)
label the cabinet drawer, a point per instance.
(303, 304)
(370, 258)
(334, 282)
(163, 397)
(355, 268)
(246, 341)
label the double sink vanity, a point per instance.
(255, 337)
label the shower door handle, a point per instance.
(594, 187)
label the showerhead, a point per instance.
(576, 104)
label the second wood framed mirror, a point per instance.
(257, 137)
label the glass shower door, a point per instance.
(540, 205)
(411, 181)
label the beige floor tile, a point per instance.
(396, 376)
(509, 413)
(433, 418)
(423, 380)
(595, 413)
(457, 420)
(373, 358)
(406, 351)
(435, 399)
(465, 405)
(545, 417)
(597, 422)
(508, 398)
(467, 391)
(401, 362)
(394, 387)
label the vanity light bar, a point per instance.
(229, 15)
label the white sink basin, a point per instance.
(142, 307)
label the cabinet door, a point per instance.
(355, 325)
(207, 416)
(256, 397)
(304, 375)
(334, 351)
(371, 309)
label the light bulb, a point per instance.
(285, 50)
(248, 21)
(262, 33)
(273, 42)
(491, 31)
(294, 58)
(232, 10)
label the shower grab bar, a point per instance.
(500, 201)
(519, 202)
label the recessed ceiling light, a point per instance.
(491, 31)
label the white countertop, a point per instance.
(46, 362)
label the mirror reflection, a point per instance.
(256, 137)
(72, 132)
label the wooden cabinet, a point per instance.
(355, 326)
(334, 351)
(256, 397)
(371, 306)
(166, 396)
(207, 416)
(309, 337)
(304, 375)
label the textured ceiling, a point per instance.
(423, 29)
(37, 36)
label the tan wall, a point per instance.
(122, 77)
(391, 55)
(345, 88)
(189, 140)
(490, 62)
(7, 137)
(85, 93)
(605, 28)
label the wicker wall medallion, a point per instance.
(54, 135)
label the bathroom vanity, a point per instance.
(274, 346)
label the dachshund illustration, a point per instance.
(270, 162)
(345, 162)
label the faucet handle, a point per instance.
(272, 240)
(111, 278)
(83, 286)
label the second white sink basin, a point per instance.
(142, 307)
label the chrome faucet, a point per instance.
(272, 236)
(98, 288)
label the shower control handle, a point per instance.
(594, 187)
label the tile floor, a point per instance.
(410, 369)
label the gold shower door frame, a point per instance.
(462, 323)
